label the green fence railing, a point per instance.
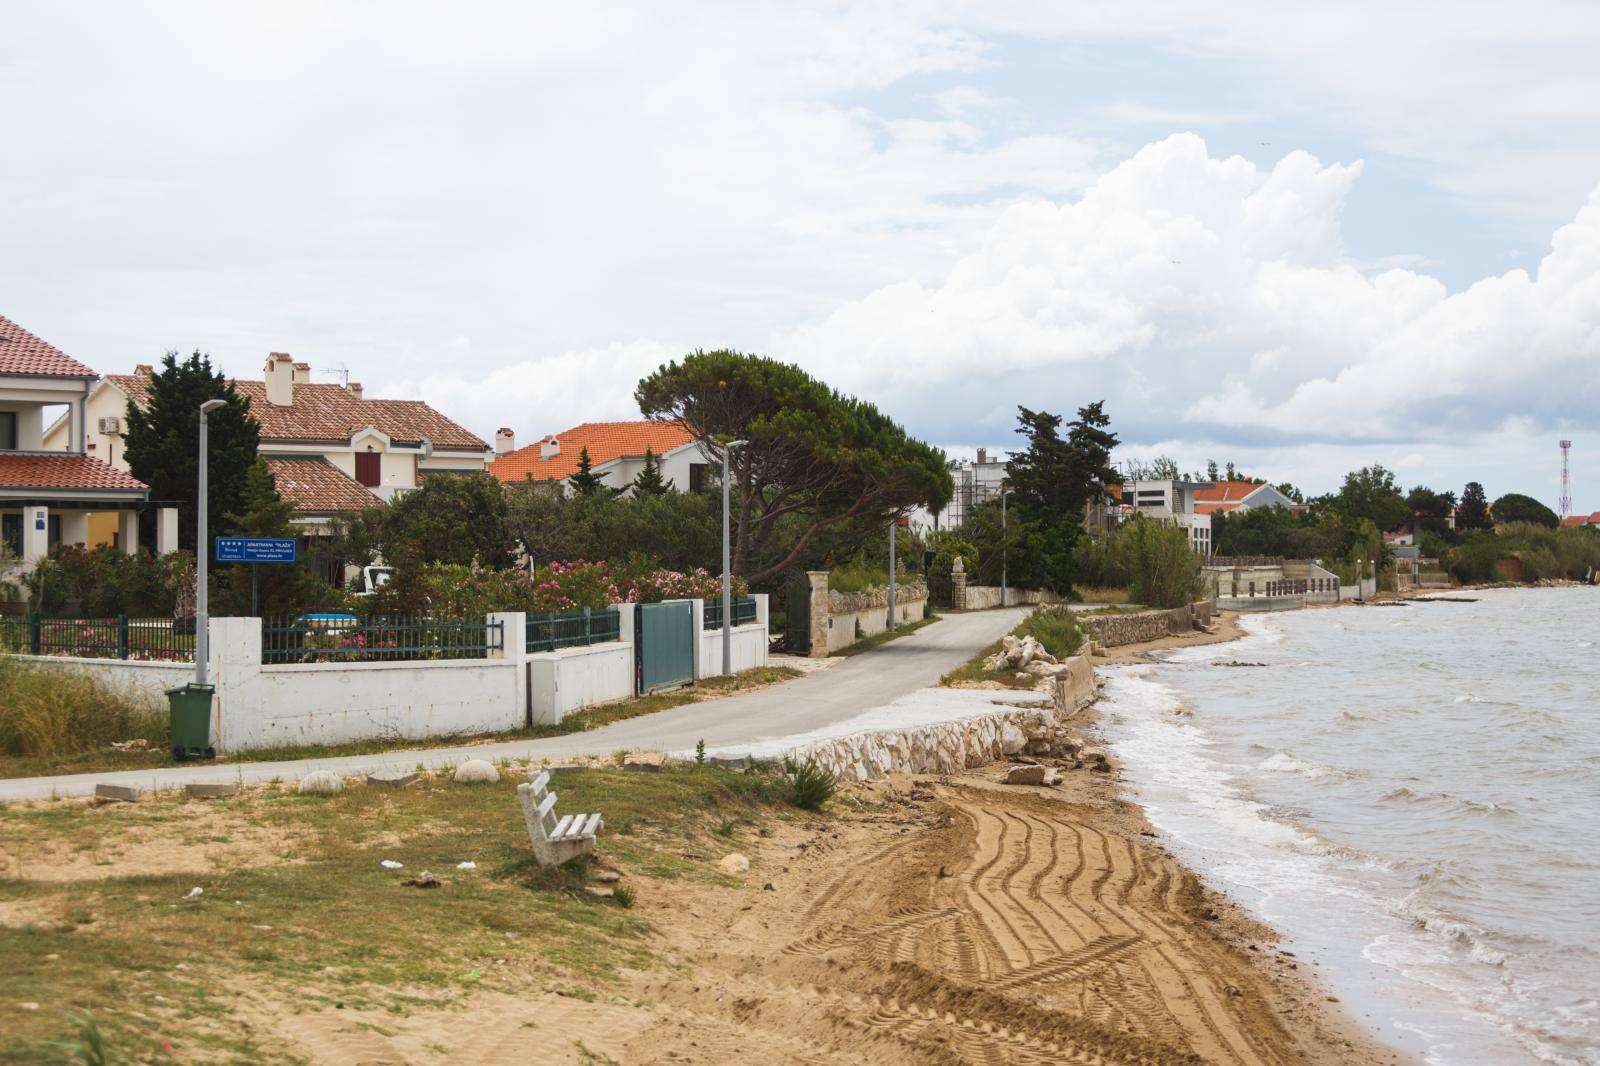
(121, 637)
(744, 613)
(343, 638)
(572, 629)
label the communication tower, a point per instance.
(1565, 506)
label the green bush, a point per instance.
(1054, 627)
(105, 582)
(1162, 570)
(49, 712)
(810, 786)
(947, 547)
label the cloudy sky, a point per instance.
(1299, 242)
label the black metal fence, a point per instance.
(341, 638)
(744, 613)
(121, 637)
(572, 629)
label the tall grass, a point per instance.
(1054, 627)
(48, 712)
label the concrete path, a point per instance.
(860, 683)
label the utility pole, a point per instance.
(202, 551)
(1005, 545)
(891, 575)
(727, 562)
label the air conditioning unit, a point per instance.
(111, 425)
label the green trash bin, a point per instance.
(189, 707)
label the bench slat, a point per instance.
(561, 827)
(573, 827)
(547, 804)
(541, 781)
(591, 826)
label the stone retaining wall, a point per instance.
(949, 747)
(851, 602)
(1114, 630)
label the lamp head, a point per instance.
(211, 405)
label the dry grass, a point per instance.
(1102, 595)
(48, 714)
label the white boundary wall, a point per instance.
(843, 626)
(749, 642)
(260, 706)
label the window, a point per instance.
(8, 430)
(369, 469)
(11, 532)
(697, 477)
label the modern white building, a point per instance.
(1171, 501)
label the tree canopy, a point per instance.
(1474, 510)
(162, 443)
(451, 518)
(1515, 507)
(814, 460)
(649, 482)
(1372, 494)
(586, 482)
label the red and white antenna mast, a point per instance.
(1565, 505)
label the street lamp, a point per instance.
(891, 575)
(727, 562)
(1005, 545)
(202, 636)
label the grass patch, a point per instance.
(1102, 595)
(319, 922)
(100, 756)
(868, 643)
(1115, 608)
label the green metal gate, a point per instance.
(663, 643)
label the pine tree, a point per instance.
(586, 482)
(650, 482)
(162, 441)
(1474, 510)
(1211, 470)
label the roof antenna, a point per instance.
(343, 370)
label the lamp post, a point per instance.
(891, 576)
(1005, 545)
(727, 561)
(202, 554)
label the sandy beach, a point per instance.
(922, 920)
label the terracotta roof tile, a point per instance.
(605, 440)
(1223, 496)
(56, 470)
(324, 411)
(316, 486)
(23, 353)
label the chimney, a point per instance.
(505, 441)
(280, 379)
(354, 389)
(144, 370)
(550, 447)
(983, 456)
(302, 372)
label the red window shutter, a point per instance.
(368, 469)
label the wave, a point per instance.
(1451, 804)
(1286, 763)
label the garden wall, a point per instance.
(749, 644)
(1114, 630)
(854, 615)
(984, 597)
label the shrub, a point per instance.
(810, 786)
(947, 546)
(48, 712)
(1163, 571)
(105, 582)
(1054, 627)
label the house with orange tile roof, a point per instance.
(616, 453)
(331, 449)
(1581, 521)
(1225, 496)
(50, 496)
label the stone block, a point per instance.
(652, 762)
(211, 790)
(392, 778)
(118, 793)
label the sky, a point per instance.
(1300, 241)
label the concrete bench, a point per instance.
(555, 841)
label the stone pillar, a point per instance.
(128, 531)
(958, 585)
(818, 613)
(35, 534)
(166, 530)
(75, 528)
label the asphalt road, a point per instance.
(859, 683)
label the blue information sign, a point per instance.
(256, 549)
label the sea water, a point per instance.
(1411, 795)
